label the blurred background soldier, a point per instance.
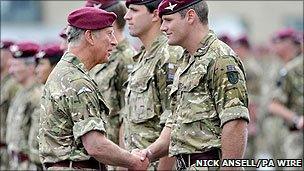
(226, 38)
(46, 59)
(111, 76)
(253, 72)
(9, 87)
(285, 45)
(64, 41)
(147, 99)
(288, 101)
(23, 105)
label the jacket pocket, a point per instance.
(141, 99)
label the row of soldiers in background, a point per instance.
(275, 87)
(141, 130)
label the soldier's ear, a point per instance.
(88, 35)
(155, 16)
(190, 16)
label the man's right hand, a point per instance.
(141, 163)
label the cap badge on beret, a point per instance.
(15, 49)
(170, 7)
(97, 5)
(40, 54)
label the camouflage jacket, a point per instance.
(111, 76)
(71, 106)
(9, 87)
(147, 102)
(19, 118)
(209, 89)
(290, 86)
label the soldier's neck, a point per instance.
(29, 82)
(148, 38)
(193, 40)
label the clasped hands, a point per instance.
(142, 159)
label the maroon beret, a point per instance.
(137, 2)
(242, 41)
(101, 4)
(50, 51)
(287, 33)
(167, 7)
(63, 33)
(5, 44)
(90, 18)
(24, 49)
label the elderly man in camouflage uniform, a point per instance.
(111, 76)
(23, 104)
(46, 60)
(9, 87)
(147, 91)
(210, 116)
(73, 121)
(288, 99)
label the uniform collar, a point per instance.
(204, 44)
(71, 58)
(157, 42)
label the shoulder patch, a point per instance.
(232, 74)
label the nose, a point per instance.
(127, 16)
(163, 27)
(114, 41)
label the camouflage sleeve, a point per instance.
(122, 71)
(169, 120)
(231, 99)
(85, 110)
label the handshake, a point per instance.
(143, 158)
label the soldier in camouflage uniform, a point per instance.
(210, 114)
(9, 87)
(285, 44)
(46, 60)
(73, 119)
(147, 91)
(288, 101)
(253, 72)
(23, 104)
(111, 76)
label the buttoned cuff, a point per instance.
(232, 113)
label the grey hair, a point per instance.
(74, 34)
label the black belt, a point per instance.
(183, 159)
(90, 164)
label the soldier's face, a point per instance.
(175, 28)
(20, 70)
(43, 70)
(105, 42)
(139, 20)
